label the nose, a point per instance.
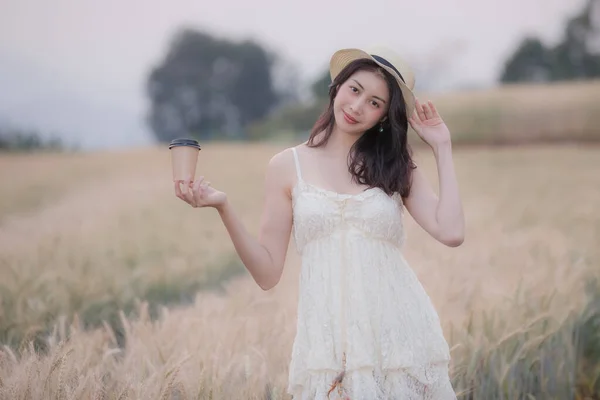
(355, 106)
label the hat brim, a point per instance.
(342, 58)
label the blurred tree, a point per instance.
(577, 56)
(207, 87)
(28, 140)
(320, 87)
(286, 79)
(531, 62)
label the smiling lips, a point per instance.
(349, 119)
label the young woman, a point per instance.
(366, 329)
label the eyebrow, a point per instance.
(361, 86)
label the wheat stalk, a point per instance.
(55, 364)
(110, 332)
(100, 392)
(125, 392)
(12, 356)
(126, 326)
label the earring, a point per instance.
(381, 127)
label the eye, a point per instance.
(375, 104)
(354, 89)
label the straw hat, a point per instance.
(385, 58)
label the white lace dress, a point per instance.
(361, 309)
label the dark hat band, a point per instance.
(387, 64)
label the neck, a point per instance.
(340, 142)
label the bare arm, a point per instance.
(264, 258)
(441, 217)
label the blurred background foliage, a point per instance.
(212, 88)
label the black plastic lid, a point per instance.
(184, 142)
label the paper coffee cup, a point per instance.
(184, 157)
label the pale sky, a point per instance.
(106, 48)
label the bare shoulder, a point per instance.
(284, 161)
(281, 170)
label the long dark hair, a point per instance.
(377, 159)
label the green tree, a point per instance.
(530, 62)
(320, 87)
(28, 140)
(206, 87)
(576, 56)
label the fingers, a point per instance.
(428, 112)
(193, 191)
(197, 191)
(425, 111)
(433, 109)
(187, 195)
(178, 189)
(182, 193)
(197, 183)
(420, 111)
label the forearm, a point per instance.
(254, 255)
(449, 213)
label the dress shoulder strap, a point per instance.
(297, 162)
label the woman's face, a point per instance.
(361, 102)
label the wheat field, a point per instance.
(112, 288)
(559, 112)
